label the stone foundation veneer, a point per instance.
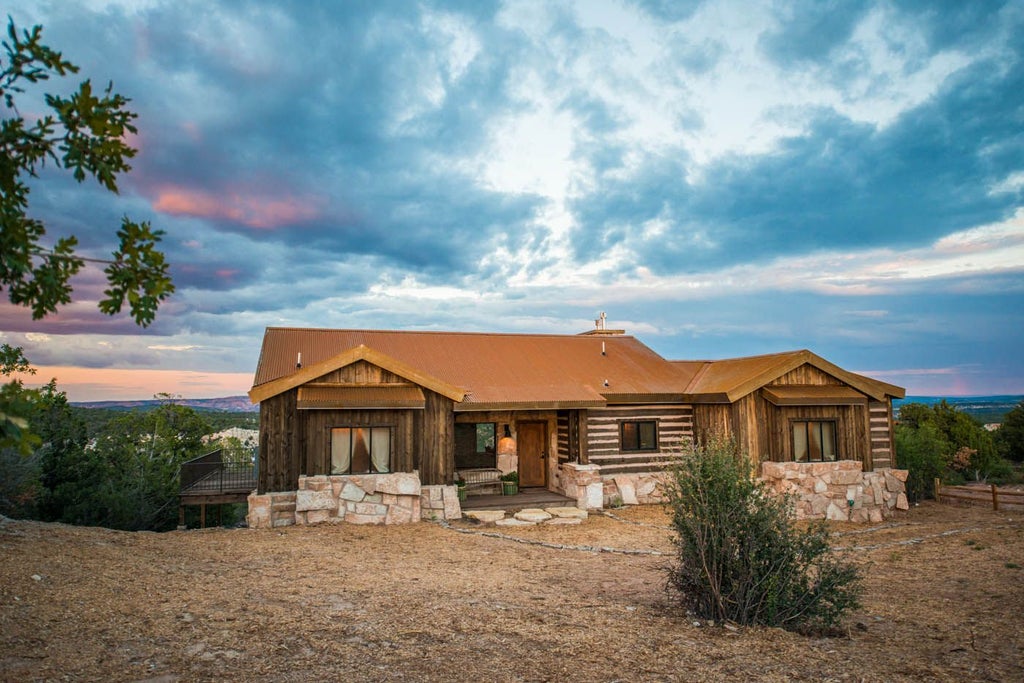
(583, 484)
(643, 488)
(396, 498)
(839, 490)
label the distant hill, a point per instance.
(985, 408)
(228, 404)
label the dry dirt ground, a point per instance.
(944, 602)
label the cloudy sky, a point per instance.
(723, 178)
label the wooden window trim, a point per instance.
(809, 421)
(622, 438)
(369, 428)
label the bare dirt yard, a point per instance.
(944, 601)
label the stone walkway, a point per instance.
(529, 516)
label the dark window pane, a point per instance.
(630, 439)
(648, 436)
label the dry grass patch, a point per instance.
(420, 602)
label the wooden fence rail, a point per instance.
(998, 498)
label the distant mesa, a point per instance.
(227, 404)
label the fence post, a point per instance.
(995, 497)
(938, 489)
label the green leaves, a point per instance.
(739, 556)
(138, 273)
(85, 133)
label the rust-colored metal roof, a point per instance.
(355, 397)
(730, 379)
(514, 370)
(813, 395)
(490, 371)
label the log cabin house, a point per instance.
(578, 409)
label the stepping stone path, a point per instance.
(529, 517)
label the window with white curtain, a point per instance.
(814, 440)
(360, 450)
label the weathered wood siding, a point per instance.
(805, 374)
(763, 429)
(602, 437)
(295, 442)
(280, 437)
(435, 432)
(318, 425)
(852, 441)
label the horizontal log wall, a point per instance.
(880, 426)
(675, 425)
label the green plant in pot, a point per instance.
(510, 483)
(461, 487)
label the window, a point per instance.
(639, 436)
(814, 440)
(360, 450)
(475, 444)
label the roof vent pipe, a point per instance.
(298, 360)
(602, 350)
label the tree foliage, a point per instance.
(127, 477)
(1010, 435)
(739, 556)
(84, 133)
(939, 441)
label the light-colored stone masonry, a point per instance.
(823, 490)
(839, 490)
(396, 498)
(832, 490)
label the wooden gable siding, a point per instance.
(881, 424)
(805, 374)
(295, 442)
(360, 372)
(602, 439)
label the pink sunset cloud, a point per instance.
(249, 208)
(102, 384)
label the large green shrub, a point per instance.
(940, 441)
(739, 556)
(924, 453)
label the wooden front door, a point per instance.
(532, 440)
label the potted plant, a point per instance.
(510, 483)
(461, 486)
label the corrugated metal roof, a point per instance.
(360, 397)
(811, 395)
(491, 368)
(483, 370)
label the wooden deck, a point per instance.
(526, 498)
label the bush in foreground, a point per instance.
(740, 558)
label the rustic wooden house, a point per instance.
(351, 402)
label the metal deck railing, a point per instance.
(209, 474)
